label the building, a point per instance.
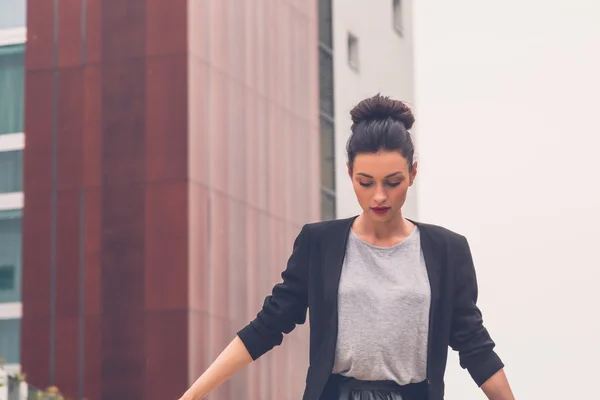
(372, 52)
(12, 141)
(172, 156)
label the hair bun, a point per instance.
(380, 108)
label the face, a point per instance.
(381, 181)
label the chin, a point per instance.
(383, 218)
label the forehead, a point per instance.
(380, 164)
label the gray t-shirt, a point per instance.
(383, 306)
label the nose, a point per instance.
(380, 196)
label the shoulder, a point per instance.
(441, 235)
(318, 230)
(445, 244)
(327, 226)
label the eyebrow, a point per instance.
(387, 176)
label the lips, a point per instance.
(380, 210)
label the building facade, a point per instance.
(372, 46)
(172, 158)
(12, 142)
(173, 154)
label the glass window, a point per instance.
(327, 155)
(325, 33)
(326, 81)
(10, 340)
(12, 87)
(327, 205)
(353, 51)
(10, 255)
(12, 13)
(326, 107)
(397, 15)
(11, 171)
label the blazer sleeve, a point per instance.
(285, 307)
(468, 336)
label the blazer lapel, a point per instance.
(334, 243)
(433, 264)
(432, 261)
(334, 248)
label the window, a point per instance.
(326, 107)
(327, 154)
(397, 16)
(325, 32)
(326, 81)
(11, 171)
(10, 340)
(353, 51)
(10, 255)
(7, 277)
(12, 13)
(12, 87)
(327, 205)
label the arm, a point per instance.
(497, 387)
(280, 313)
(469, 337)
(285, 307)
(231, 360)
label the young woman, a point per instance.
(387, 295)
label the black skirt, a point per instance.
(353, 389)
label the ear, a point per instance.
(413, 173)
(349, 169)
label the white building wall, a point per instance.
(507, 97)
(385, 66)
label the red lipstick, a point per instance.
(380, 210)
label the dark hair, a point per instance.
(380, 123)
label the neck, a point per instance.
(398, 226)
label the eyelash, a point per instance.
(390, 184)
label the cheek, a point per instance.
(399, 193)
(362, 193)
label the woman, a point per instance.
(387, 295)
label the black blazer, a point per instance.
(311, 281)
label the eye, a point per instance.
(393, 184)
(363, 184)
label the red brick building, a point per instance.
(172, 155)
